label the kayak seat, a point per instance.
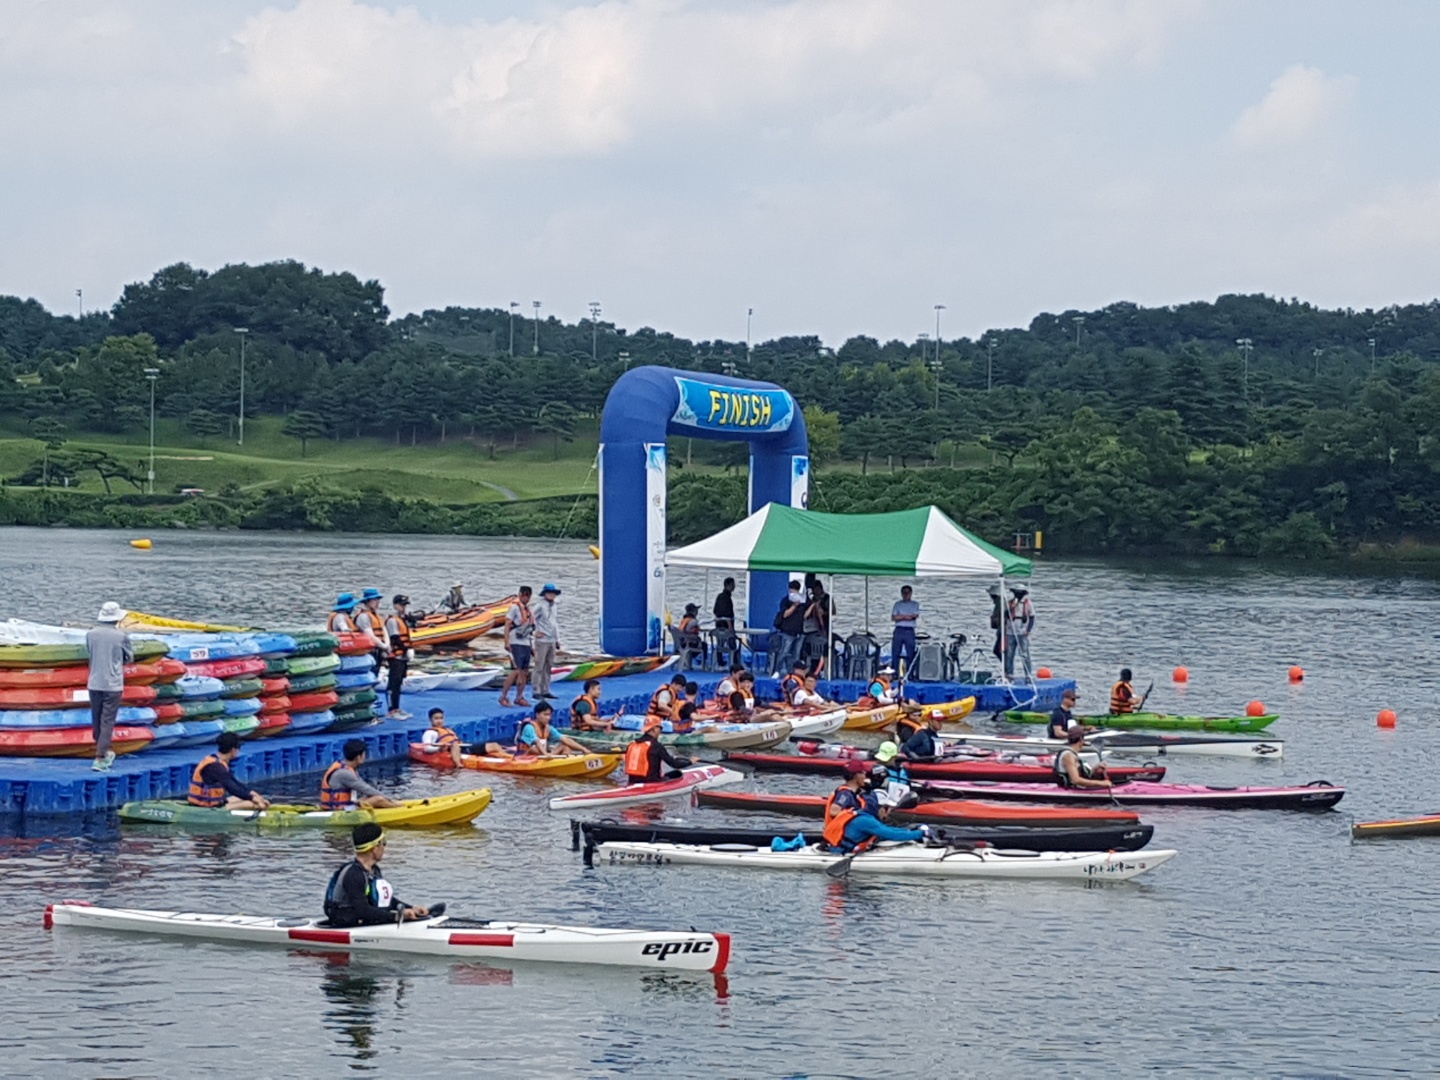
(298, 922)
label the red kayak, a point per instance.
(168, 712)
(69, 742)
(157, 671)
(318, 701)
(271, 724)
(959, 769)
(227, 669)
(274, 687)
(275, 703)
(1317, 795)
(67, 697)
(353, 644)
(952, 812)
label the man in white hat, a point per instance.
(110, 651)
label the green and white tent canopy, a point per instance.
(906, 543)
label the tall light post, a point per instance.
(937, 366)
(80, 297)
(938, 308)
(513, 305)
(152, 374)
(1371, 343)
(625, 361)
(243, 332)
(594, 330)
(924, 347)
(536, 305)
(1246, 345)
(1317, 353)
(729, 368)
(1079, 321)
(749, 313)
(989, 363)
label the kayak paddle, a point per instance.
(1145, 697)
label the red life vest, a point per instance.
(637, 759)
(201, 793)
(330, 798)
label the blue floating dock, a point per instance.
(49, 786)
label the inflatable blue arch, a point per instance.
(645, 405)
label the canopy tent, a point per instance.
(906, 543)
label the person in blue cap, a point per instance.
(547, 641)
(340, 620)
(371, 623)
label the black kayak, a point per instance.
(587, 835)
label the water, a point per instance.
(1271, 945)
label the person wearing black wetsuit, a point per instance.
(358, 894)
(646, 756)
(925, 744)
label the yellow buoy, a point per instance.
(143, 545)
(594, 552)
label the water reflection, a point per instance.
(353, 1015)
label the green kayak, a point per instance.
(1158, 721)
(313, 665)
(44, 656)
(313, 644)
(304, 684)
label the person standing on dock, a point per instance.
(724, 609)
(905, 614)
(547, 640)
(369, 623)
(1018, 627)
(789, 630)
(110, 651)
(397, 639)
(340, 621)
(519, 640)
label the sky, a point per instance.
(838, 166)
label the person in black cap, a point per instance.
(358, 894)
(397, 640)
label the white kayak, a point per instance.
(1140, 744)
(903, 860)
(691, 779)
(441, 936)
(423, 682)
(825, 722)
(472, 680)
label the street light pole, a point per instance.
(1317, 353)
(1079, 321)
(80, 296)
(243, 332)
(924, 347)
(536, 305)
(594, 330)
(938, 308)
(936, 366)
(749, 312)
(152, 374)
(989, 364)
(513, 305)
(1246, 344)
(625, 360)
(1371, 342)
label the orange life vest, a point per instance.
(870, 700)
(399, 643)
(656, 709)
(446, 737)
(340, 623)
(637, 758)
(330, 798)
(201, 793)
(836, 820)
(789, 685)
(1122, 699)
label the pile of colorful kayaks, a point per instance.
(184, 688)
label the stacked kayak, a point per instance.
(900, 860)
(567, 766)
(695, 778)
(1157, 721)
(443, 935)
(1429, 825)
(311, 669)
(939, 812)
(453, 809)
(1093, 838)
(1136, 743)
(1317, 795)
(1033, 772)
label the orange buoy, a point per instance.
(1255, 708)
(1044, 673)
(1181, 675)
(1386, 719)
(1297, 673)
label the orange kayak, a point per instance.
(157, 671)
(442, 628)
(70, 742)
(67, 697)
(569, 766)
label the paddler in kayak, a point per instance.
(881, 691)
(1062, 719)
(647, 756)
(212, 784)
(890, 779)
(440, 739)
(1072, 772)
(1122, 695)
(536, 739)
(794, 682)
(925, 744)
(341, 787)
(358, 894)
(666, 701)
(729, 684)
(585, 710)
(340, 621)
(808, 696)
(852, 815)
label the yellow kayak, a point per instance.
(141, 620)
(858, 718)
(568, 766)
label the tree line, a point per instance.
(1249, 425)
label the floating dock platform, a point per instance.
(63, 786)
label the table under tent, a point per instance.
(920, 543)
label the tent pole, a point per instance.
(867, 604)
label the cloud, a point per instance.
(1301, 101)
(1407, 217)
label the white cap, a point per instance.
(111, 612)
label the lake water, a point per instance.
(1271, 946)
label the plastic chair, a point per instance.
(687, 648)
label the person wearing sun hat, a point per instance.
(369, 622)
(547, 641)
(110, 650)
(890, 778)
(340, 621)
(358, 894)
